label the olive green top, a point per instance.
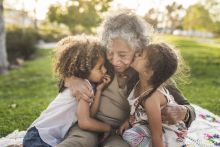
(114, 107)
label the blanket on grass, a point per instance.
(204, 131)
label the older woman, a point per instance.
(124, 34)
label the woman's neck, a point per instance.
(121, 79)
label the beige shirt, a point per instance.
(114, 107)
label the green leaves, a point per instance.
(79, 16)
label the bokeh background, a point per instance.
(29, 30)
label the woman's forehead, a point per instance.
(119, 45)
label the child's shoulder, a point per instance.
(66, 93)
(159, 96)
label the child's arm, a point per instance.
(88, 123)
(96, 102)
(152, 108)
(124, 126)
(99, 88)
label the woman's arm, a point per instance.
(184, 111)
(153, 110)
(79, 88)
(88, 123)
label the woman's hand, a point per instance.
(105, 81)
(173, 113)
(123, 127)
(79, 88)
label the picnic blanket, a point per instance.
(204, 131)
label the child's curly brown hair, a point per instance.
(77, 56)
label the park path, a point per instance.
(47, 45)
(52, 45)
(207, 40)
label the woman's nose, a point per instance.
(115, 60)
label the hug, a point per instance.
(116, 90)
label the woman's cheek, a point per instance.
(127, 62)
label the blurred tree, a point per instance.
(79, 15)
(216, 28)
(198, 18)
(213, 6)
(152, 17)
(35, 15)
(3, 54)
(173, 15)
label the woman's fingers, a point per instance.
(85, 92)
(173, 113)
(80, 95)
(121, 131)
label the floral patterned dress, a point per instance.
(139, 134)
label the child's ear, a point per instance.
(149, 73)
(137, 54)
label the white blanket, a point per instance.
(204, 131)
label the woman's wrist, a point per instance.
(186, 118)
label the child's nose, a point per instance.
(104, 70)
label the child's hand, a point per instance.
(123, 127)
(106, 79)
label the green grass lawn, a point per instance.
(204, 61)
(26, 91)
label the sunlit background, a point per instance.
(29, 30)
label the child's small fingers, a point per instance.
(105, 80)
(108, 79)
(107, 76)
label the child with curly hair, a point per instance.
(84, 57)
(155, 66)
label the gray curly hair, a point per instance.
(125, 24)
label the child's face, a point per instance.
(98, 72)
(140, 62)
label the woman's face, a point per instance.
(120, 55)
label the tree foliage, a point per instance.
(213, 6)
(80, 15)
(173, 14)
(197, 18)
(152, 17)
(168, 18)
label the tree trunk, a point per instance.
(3, 54)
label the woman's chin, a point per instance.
(119, 70)
(133, 66)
